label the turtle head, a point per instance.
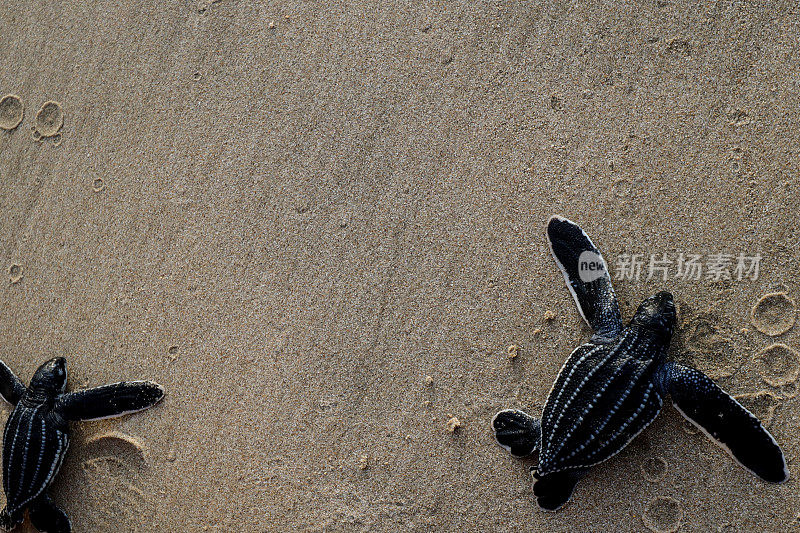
(51, 377)
(657, 313)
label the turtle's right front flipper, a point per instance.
(11, 388)
(587, 276)
(725, 420)
(108, 401)
(517, 432)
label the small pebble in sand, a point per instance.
(172, 353)
(271, 24)
(537, 331)
(428, 380)
(549, 315)
(453, 424)
(513, 351)
(363, 462)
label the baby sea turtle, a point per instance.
(37, 435)
(613, 386)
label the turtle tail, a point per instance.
(517, 432)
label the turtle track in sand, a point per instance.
(774, 314)
(778, 365)
(663, 515)
(762, 404)
(48, 122)
(654, 468)
(708, 347)
(112, 482)
(15, 273)
(12, 111)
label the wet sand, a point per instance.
(321, 226)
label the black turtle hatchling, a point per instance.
(612, 387)
(37, 435)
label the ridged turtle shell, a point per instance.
(34, 448)
(602, 398)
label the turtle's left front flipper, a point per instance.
(587, 276)
(109, 401)
(11, 388)
(725, 420)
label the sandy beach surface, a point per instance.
(320, 225)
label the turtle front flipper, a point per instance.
(108, 401)
(11, 388)
(587, 276)
(724, 420)
(47, 517)
(517, 432)
(552, 491)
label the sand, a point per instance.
(290, 214)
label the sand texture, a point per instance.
(320, 225)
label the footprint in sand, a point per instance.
(689, 428)
(621, 188)
(48, 123)
(654, 468)
(778, 364)
(762, 404)
(204, 5)
(774, 314)
(663, 515)
(710, 351)
(111, 485)
(789, 391)
(15, 273)
(11, 112)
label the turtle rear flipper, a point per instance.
(8, 521)
(47, 517)
(108, 401)
(587, 276)
(552, 491)
(517, 432)
(724, 420)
